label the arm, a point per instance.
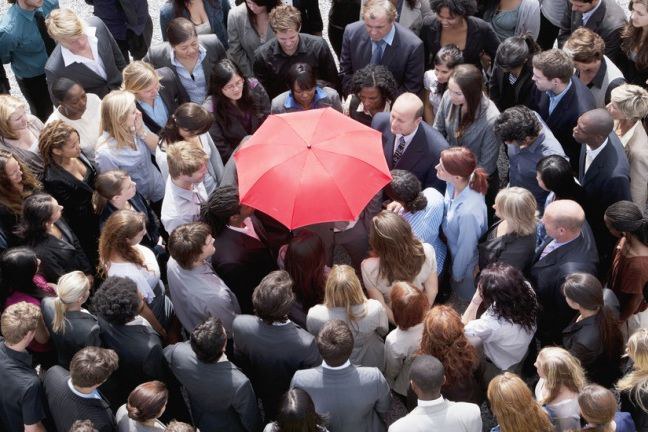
(375, 294)
(263, 74)
(439, 118)
(431, 286)
(465, 254)
(489, 151)
(393, 361)
(36, 427)
(346, 67)
(471, 311)
(142, 132)
(312, 17)
(8, 45)
(245, 404)
(613, 45)
(532, 25)
(629, 304)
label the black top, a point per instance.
(8, 223)
(631, 404)
(511, 249)
(21, 398)
(504, 94)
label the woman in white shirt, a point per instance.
(19, 132)
(345, 300)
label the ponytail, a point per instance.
(610, 335)
(58, 325)
(478, 181)
(70, 288)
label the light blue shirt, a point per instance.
(21, 43)
(291, 103)
(389, 39)
(464, 223)
(158, 112)
(554, 99)
(426, 223)
(194, 83)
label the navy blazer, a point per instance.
(422, 154)
(576, 101)
(404, 58)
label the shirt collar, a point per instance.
(429, 403)
(389, 37)
(247, 229)
(69, 57)
(587, 15)
(345, 365)
(593, 153)
(92, 395)
(22, 357)
(362, 110)
(27, 14)
(292, 103)
(408, 137)
(202, 54)
(188, 194)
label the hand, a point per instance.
(139, 124)
(395, 207)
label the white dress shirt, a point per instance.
(96, 64)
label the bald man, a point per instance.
(409, 143)
(569, 249)
(604, 173)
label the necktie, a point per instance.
(42, 29)
(399, 151)
(377, 53)
(548, 249)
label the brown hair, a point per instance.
(179, 30)
(107, 186)
(273, 297)
(554, 63)
(562, 370)
(632, 39)
(18, 320)
(92, 366)
(146, 401)
(115, 237)
(598, 406)
(10, 197)
(585, 46)
(54, 136)
(459, 161)
(190, 116)
(184, 158)
(408, 304)
(186, 243)
(471, 82)
(284, 18)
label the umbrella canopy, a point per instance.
(312, 166)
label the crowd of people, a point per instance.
(503, 269)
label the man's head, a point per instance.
(586, 50)
(406, 114)
(379, 17)
(563, 220)
(19, 322)
(286, 22)
(117, 300)
(208, 340)
(583, 6)
(518, 125)
(191, 244)
(92, 366)
(224, 208)
(274, 297)
(552, 70)
(427, 377)
(335, 342)
(187, 162)
(593, 127)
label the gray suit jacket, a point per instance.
(447, 416)
(353, 398)
(243, 38)
(159, 55)
(110, 55)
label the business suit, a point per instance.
(352, 399)
(547, 275)
(172, 93)
(404, 57)
(513, 249)
(606, 181)
(576, 101)
(446, 416)
(421, 155)
(81, 330)
(607, 21)
(110, 55)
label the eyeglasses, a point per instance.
(234, 86)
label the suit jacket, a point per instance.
(172, 93)
(404, 58)
(421, 155)
(159, 56)
(547, 275)
(504, 94)
(270, 354)
(562, 120)
(352, 398)
(232, 408)
(512, 249)
(635, 142)
(110, 55)
(606, 181)
(81, 330)
(607, 21)
(447, 416)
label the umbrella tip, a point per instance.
(308, 145)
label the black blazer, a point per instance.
(111, 57)
(242, 261)
(172, 93)
(511, 249)
(310, 16)
(504, 94)
(76, 198)
(81, 330)
(562, 120)
(607, 21)
(421, 155)
(481, 38)
(547, 275)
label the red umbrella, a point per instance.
(312, 166)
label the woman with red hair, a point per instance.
(465, 215)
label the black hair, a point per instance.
(297, 413)
(626, 217)
(208, 340)
(427, 372)
(556, 174)
(516, 51)
(375, 76)
(117, 300)
(37, 210)
(18, 266)
(61, 87)
(405, 188)
(222, 204)
(462, 8)
(301, 74)
(516, 124)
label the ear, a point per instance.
(234, 219)
(57, 151)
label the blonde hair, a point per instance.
(69, 289)
(631, 100)
(376, 8)
(115, 109)
(343, 289)
(561, 369)
(518, 207)
(8, 106)
(138, 75)
(184, 158)
(514, 407)
(64, 23)
(18, 320)
(636, 382)
(285, 18)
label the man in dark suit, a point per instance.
(201, 366)
(185, 47)
(243, 256)
(604, 17)
(604, 174)
(560, 98)
(74, 395)
(379, 39)
(571, 249)
(269, 347)
(86, 53)
(409, 143)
